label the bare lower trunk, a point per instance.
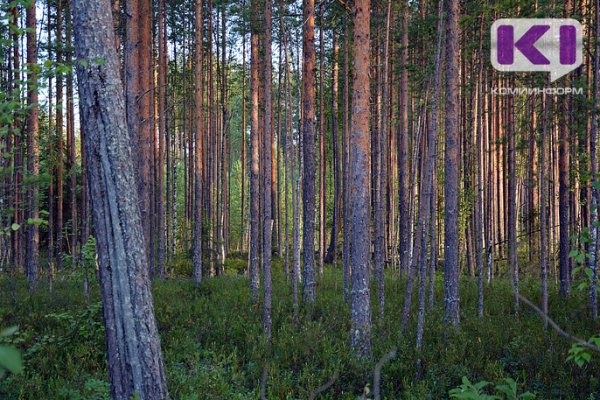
(594, 239)
(199, 148)
(267, 196)
(346, 254)
(451, 167)
(360, 151)
(254, 151)
(32, 241)
(134, 354)
(308, 140)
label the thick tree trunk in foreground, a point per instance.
(308, 143)
(134, 354)
(451, 167)
(360, 154)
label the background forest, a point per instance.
(215, 199)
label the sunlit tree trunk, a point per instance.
(360, 154)
(254, 153)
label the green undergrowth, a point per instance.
(213, 345)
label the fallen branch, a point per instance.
(377, 374)
(558, 329)
(326, 386)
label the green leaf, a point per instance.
(15, 227)
(574, 253)
(10, 359)
(9, 331)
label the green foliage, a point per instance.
(214, 348)
(582, 355)
(10, 357)
(507, 389)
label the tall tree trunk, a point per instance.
(360, 154)
(594, 239)
(403, 164)
(51, 216)
(199, 146)
(543, 209)
(428, 198)
(267, 217)
(32, 242)
(244, 158)
(72, 157)
(322, 157)
(134, 354)
(59, 139)
(451, 167)
(379, 245)
(146, 130)
(335, 225)
(512, 202)
(254, 151)
(308, 140)
(346, 253)
(162, 133)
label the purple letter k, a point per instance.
(526, 44)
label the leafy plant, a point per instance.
(10, 357)
(507, 389)
(581, 355)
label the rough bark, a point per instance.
(451, 167)
(134, 356)
(403, 165)
(346, 254)
(308, 147)
(335, 225)
(267, 196)
(32, 241)
(360, 153)
(199, 116)
(594, 239)
(254, 152)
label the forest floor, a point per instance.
(213, 345)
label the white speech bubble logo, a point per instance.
(537, 44)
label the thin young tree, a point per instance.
(134, 354)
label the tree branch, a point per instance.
(558, 329)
